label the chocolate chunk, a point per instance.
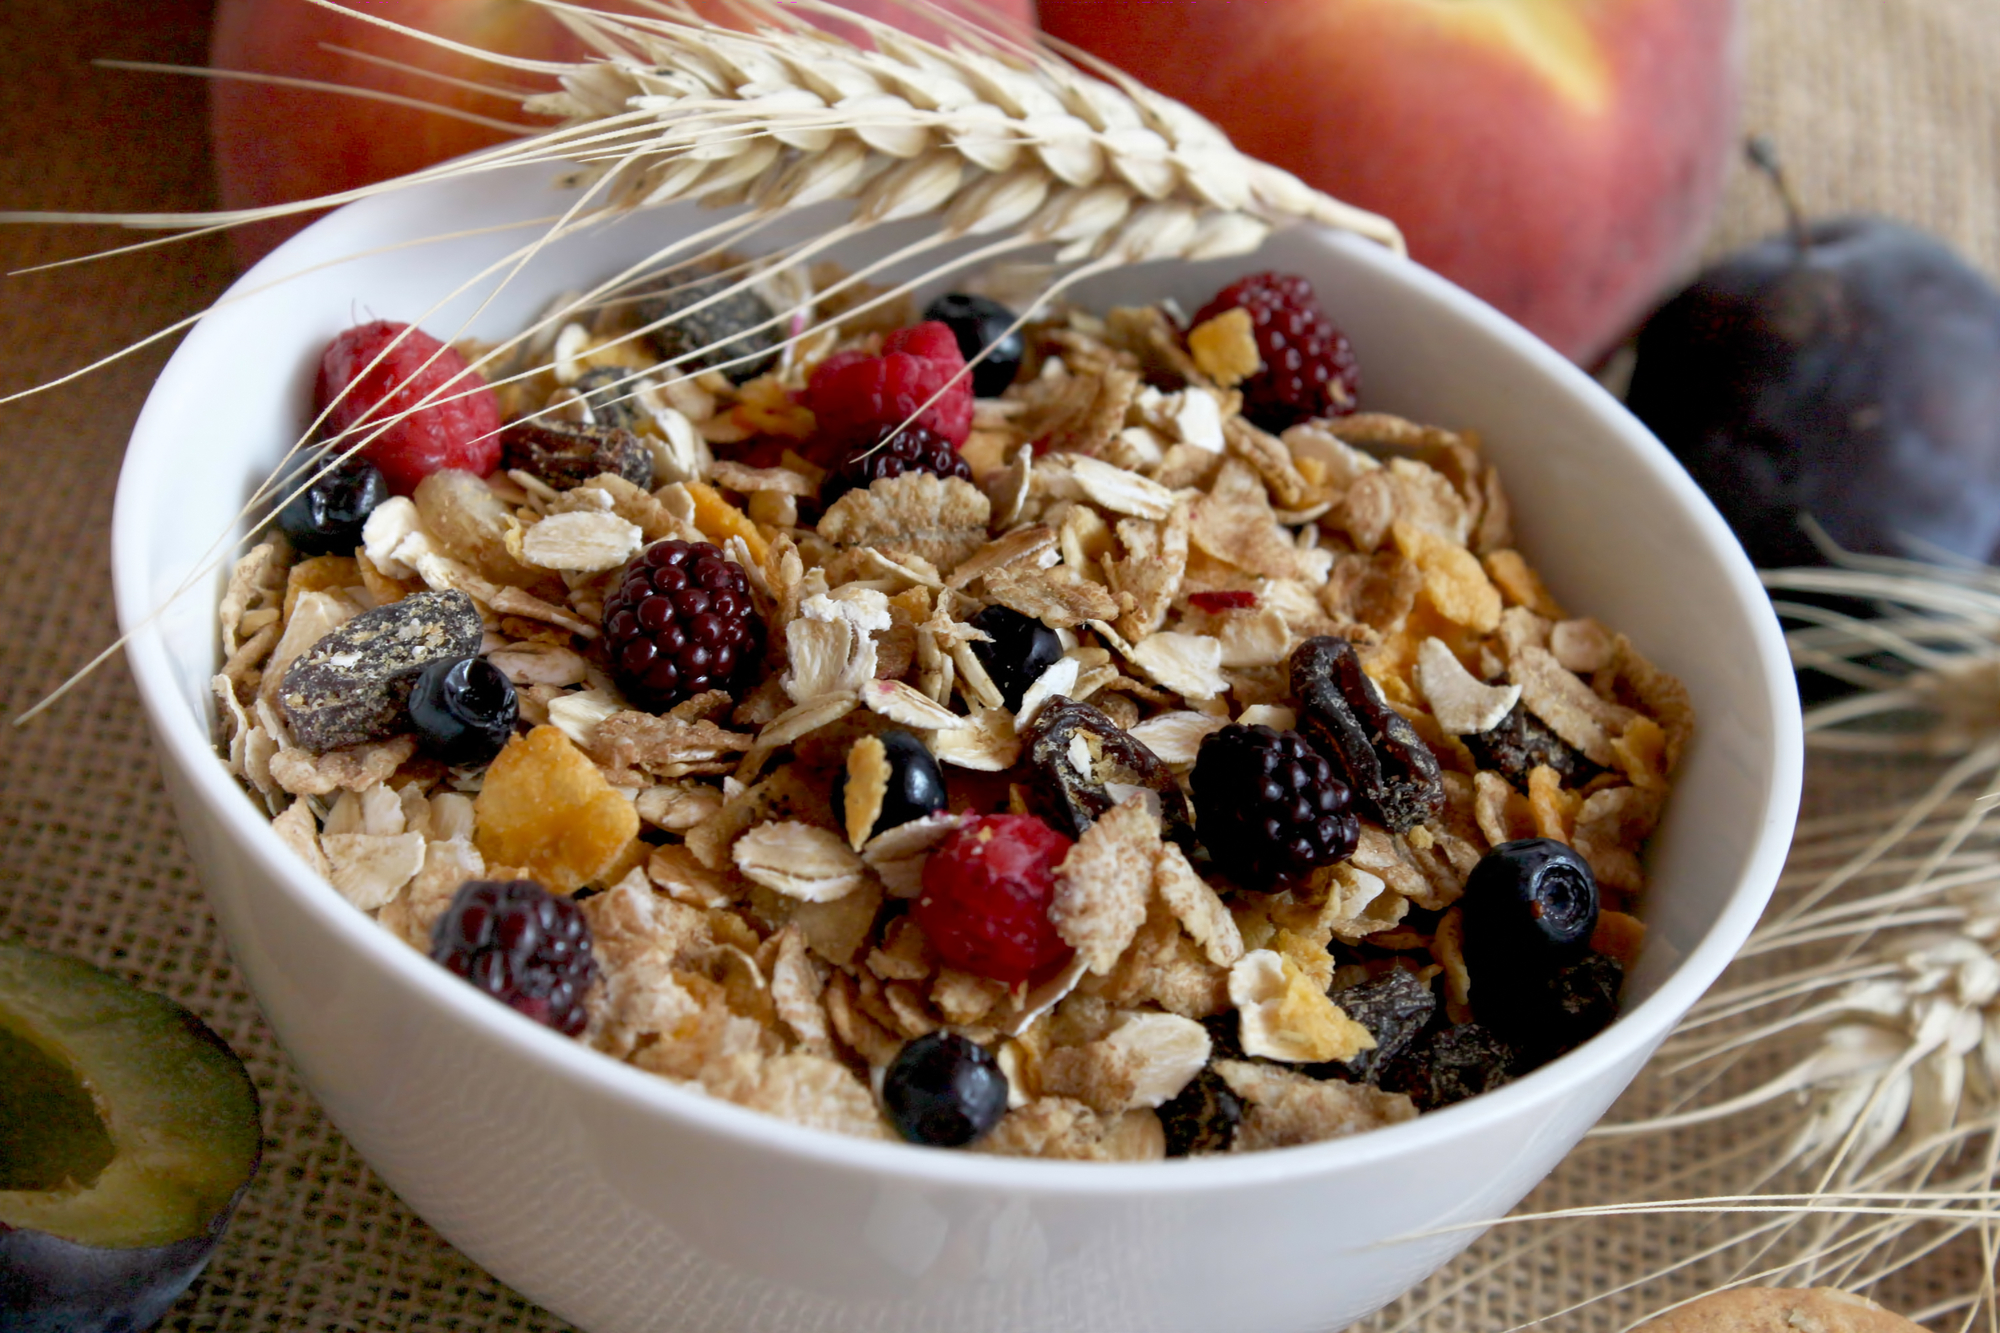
(1395, 1008)
(740, 325)
(1070, 798)
(354, 685)
(1202, 1117)
(566, 455)
(1392, 773)
(1519, 743)
(1449, 1064)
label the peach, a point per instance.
(1560, 158)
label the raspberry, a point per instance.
(985, 902)
(521, 944)
(1268, 806)
(457, 425)
(914, 449)
(853, 395)
(1308, 369)
(680, 622)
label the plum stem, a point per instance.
(1763, 155)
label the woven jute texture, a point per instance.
(1879, 105)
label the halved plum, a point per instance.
(128, 1131)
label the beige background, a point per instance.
(1883, 105)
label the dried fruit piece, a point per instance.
(944, 1091)
(1520, 744)
(463, 711)
(982, 324)
(326, 517)
(1449, 1064)
(1307, 367)
(1087, 764)
(681, 622)
(425, 409)
(888, 781)
(521, 944)
(1202, 1118)
(1393, 774)
(1271, 809)
(546, 808)
(853, 394)
(354, 684)
(739, 327)
(1395, 1008)
(985, 901)
(1016, 651)
(566, 455)
(891, 453)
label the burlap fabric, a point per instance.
(1886, 105)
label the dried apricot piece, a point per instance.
(546, 808)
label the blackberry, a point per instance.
(1016, 651)
(914, 448)
(979, 322)
(680, 622)
(944, 1091)
(1268, 807)
(327, 516)
(1308, 369)
(521, 944)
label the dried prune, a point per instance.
(1390, 770)
(1395, 1008)
(566, 455)
(1202, 1117)
(1071, 797)
(354, 685)
(1520, 743)
(1448, 1064)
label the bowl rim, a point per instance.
(186, 745)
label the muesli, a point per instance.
(1125, 750)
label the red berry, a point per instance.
(448, 417)
(1308, 369)
(987, 889)
(1227, 600)
(853, 395)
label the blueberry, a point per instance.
(944, 1091)
(977, 323)
(1529, 908)
(1020, 651)
(915, 783)
(463, 710)
(326, 518)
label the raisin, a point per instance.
(1567, 1008)
(1519, 743)
(566, 455)
(1449, 1064)
(1072, 799)
(1391, 772)
(1202, 1117)
(1395, 1008)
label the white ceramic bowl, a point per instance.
(624, 1203)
